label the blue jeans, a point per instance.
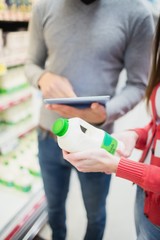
(144, 228)
(56, 176)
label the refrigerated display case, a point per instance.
(22, 198)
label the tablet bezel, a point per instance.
(78, 102)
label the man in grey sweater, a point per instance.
(79, 48)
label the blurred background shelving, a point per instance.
(23, 204)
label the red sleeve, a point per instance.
(144, 175)
(142, 136)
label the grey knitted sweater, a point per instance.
(90, 45)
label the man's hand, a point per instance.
(96, 114)
(54, 86)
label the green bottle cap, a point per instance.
(60, 126)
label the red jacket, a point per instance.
(144, 175)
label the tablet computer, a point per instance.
(78, 102)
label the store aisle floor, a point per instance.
(120, 203)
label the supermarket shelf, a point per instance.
(15, 60)
(23, 214)
(12, 18)
(19, 61)
(14, 102)
(19, 17)
(10, 134)
(37, 226)
(27, 213)
(13, 25)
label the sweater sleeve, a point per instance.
(136, 63)
(37, 52)
(143, 136)
(144, 175)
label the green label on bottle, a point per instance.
(109, 143)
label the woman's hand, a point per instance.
(93, 160)
(99, 160)
(129, 138)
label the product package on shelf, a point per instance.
(20, 167)
(15, 49)
(16, 106)
(17, 113)
(15, 10)
(13, 79)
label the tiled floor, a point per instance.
(120, 224)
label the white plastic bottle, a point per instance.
(75, 135)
